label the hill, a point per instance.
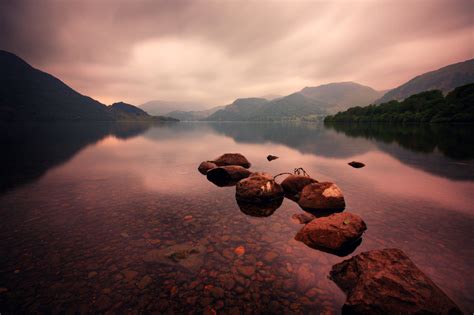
(425, 107)
(27, 93)
(194, 115)
(158, 107)
(342, 95)
(444, 79)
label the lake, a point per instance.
(87, 210)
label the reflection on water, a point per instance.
(117, 217)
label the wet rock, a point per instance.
(188, 256)
(338, 233)
(129, 275)
(144, 282)
(356, 164)
(258, 189)
(271, 157)
(322, 198)
(239, 251)
(247, 271)
(270, 256)
(103, 303)
(305, 278)
(262, 174)
(91, 274)
(302, 218)
(232, 159)
(388, 282)
(188, 217)
(205, 166)
(293, 185)
(227, 175)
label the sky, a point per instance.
(212, 52)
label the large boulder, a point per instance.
(205, 166)
(338, 233)
(227, 175)
(322, 197)
(232, 159)
(388, 282)
(258, 189)
(294, 184)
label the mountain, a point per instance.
(289, 107)
(126, 112)
(444, 79)
(342, 95)
(27, 93)
(193, 115)
(425, 107)
(158, 107)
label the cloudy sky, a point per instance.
(215, 51)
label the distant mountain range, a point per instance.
(158, 107)
(28, 94)
(445, 79)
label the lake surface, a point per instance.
(86, 210)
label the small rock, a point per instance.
(239, 251)
(227, 175)
(232, 159)
(124, 235)
(303, 218)
(92, 274)
(188, 217)
(205, 166)
(144, 282)
(146, 235)
(293, 185)
(388, 282)
(336, 233)
(271, 157)
(129, 275)
(103, 303)
(247, 271)
(355, 164)
(322, 197)
(270, 256)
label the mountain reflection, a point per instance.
(29, 150)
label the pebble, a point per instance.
(239, 251)
(247, 271)
(92, 274)
(188, 217)
(144, 282)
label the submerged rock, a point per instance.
(303, 218)
(272, 157)
(227, 175)
(355, 164)
(205, 166)
(338, 233)
(258, 189)
(232, 159)
(188, 256)
(388, 282)
(294, 184)
(322, 197)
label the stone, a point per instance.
(356, 164)
(239, 251)
(322, 198)
(270, 256)
(232, 159)
(227, 175)
(258, 189)
(271, 157)
(387, 282)
(247, 271)
(188, 256)
(205, 166)
(337, 233)
(129, 275)
(305, 278)
(144, 282)
(188, 217)
(302, 218)
(92, 274)
(293, 185)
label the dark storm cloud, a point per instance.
(214, 51)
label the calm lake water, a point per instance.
(87, 211)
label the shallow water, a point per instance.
(84, 208)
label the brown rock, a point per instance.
(247, 271)
(232, 159)
(205, 166)
(388, 282)
(258, 189)
(271, 157)
(227, 175)
(338, 233)
(270, 256)
(355, 164)
(144, 282)
(322, 197)
(293, 185)
(302, 218)
(239, 251)
(129, 275)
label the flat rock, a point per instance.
(322, 197)
(293, 185)
(388, 282)
(356, 164)
(232, 159)
(336, 233)
(206, 166)
(303, 218)
(227, 175)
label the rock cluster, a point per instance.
(388, 282)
